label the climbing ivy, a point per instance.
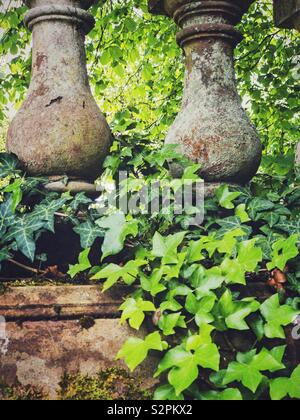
(195, 288)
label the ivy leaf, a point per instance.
(83, 264)
(258, 205)
(134, 311)
(212, 280)
(233, 271)
(281, 387)
(226, 197)
(230, 394)
(45, 212)
(232, 314)
(249, 366)
(167, 393)
(208, 356)
(184, 364)
(22, 231)
(291, 227)
(113, 273)
(88, 232)
(136, 350)
(166, 248)
(6, 215)
(8, 164)
(17, 194)
(183, 376)
(277, 317)
(229, 224)
(249, 255)
(168, 323)
(152, 284)
(242, 214)
(79, 199)
(284, 250)
(117, 229)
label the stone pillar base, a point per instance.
(53, 330)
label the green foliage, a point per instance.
(190, 281)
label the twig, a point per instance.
(26, 267)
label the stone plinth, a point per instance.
(51, 331)
(59, 129)
(212, 128)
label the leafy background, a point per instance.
(136, 70)
(192, 284)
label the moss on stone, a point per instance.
(111, 384)
(21, 393)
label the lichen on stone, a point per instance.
(111, 384)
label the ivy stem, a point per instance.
(26, 267)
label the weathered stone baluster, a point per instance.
(59, 129)
(212, 128)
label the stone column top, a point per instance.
(169, 7)
(83, 4)
(60, 12)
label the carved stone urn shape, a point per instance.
(59, 129)
(212, 128)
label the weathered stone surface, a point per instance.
(59, 129)
(212, 128)
(46, 337)
(75, 186)
(287, 13)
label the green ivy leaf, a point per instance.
(226, 197)
(83, 264)
(230, 394)
(113, 273)
(281, 387)
(166, 248)
(134, 311)
(135, 350)
(277, 317)
(284, 250)
(168, 323)
(117, 229)
(167, 393)
(249, 366)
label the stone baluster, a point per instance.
(59, 130)
(212, 128)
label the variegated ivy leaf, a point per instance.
(22, 232)
(88, 232)
(45, 211)
(8, 164)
